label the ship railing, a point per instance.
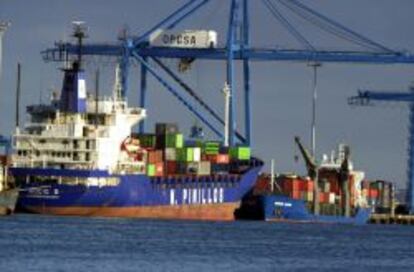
(191, 181)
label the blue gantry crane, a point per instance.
(237, 48)
(366, 98)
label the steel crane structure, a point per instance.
(365, 98)
(238, 48)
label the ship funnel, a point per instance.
(73, 96)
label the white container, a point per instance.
(197, 154)
(331, 198)
(184, 39)
(170, 154)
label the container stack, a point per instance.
(379, 195)
(169, 154)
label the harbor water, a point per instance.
(45, 243)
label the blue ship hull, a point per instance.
(283, 208)
(212, 197)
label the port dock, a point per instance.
(398, 219)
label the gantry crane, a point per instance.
(365, 98)
(238, 48)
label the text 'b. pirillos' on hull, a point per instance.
(78, 156)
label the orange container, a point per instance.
(222, 159)
(155, 156)
(159, 169)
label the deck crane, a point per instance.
(312, 167)
(365, 98)
(238, 48)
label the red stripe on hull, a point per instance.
(214, 212)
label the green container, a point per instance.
(185, 154)
(240, 153)
(174, 140)
(211, 148)
(147, 140)
(150, 170)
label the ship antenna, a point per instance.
(18, 95)
(80, 34)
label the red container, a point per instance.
(292, 185)
(323, 197)
(159, 169)
(211, 158)
(295, 194)
(171, 167)
(262, 184)
(373, 193)
(308, 185)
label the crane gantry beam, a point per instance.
(252, 54)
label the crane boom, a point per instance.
(312, 168)
(310, 163)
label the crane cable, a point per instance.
(284, 21)
(331, 26)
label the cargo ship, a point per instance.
(78, 156)
(338, 195)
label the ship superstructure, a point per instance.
(78, 131)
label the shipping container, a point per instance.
(185, 154)
(222, 158)
(331, 198)
(184, 39)
(159, 169)
(295, 194)
(145, 140)
(151, 170)
(196, 154)
(307, 196)
(170, 154)
(211, 148)
(154, 156)
(174, 140)
(171, 168)
(240, 152)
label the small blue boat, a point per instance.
(284, 208)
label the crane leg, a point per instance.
(410, 187)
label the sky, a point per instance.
(282, 91)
